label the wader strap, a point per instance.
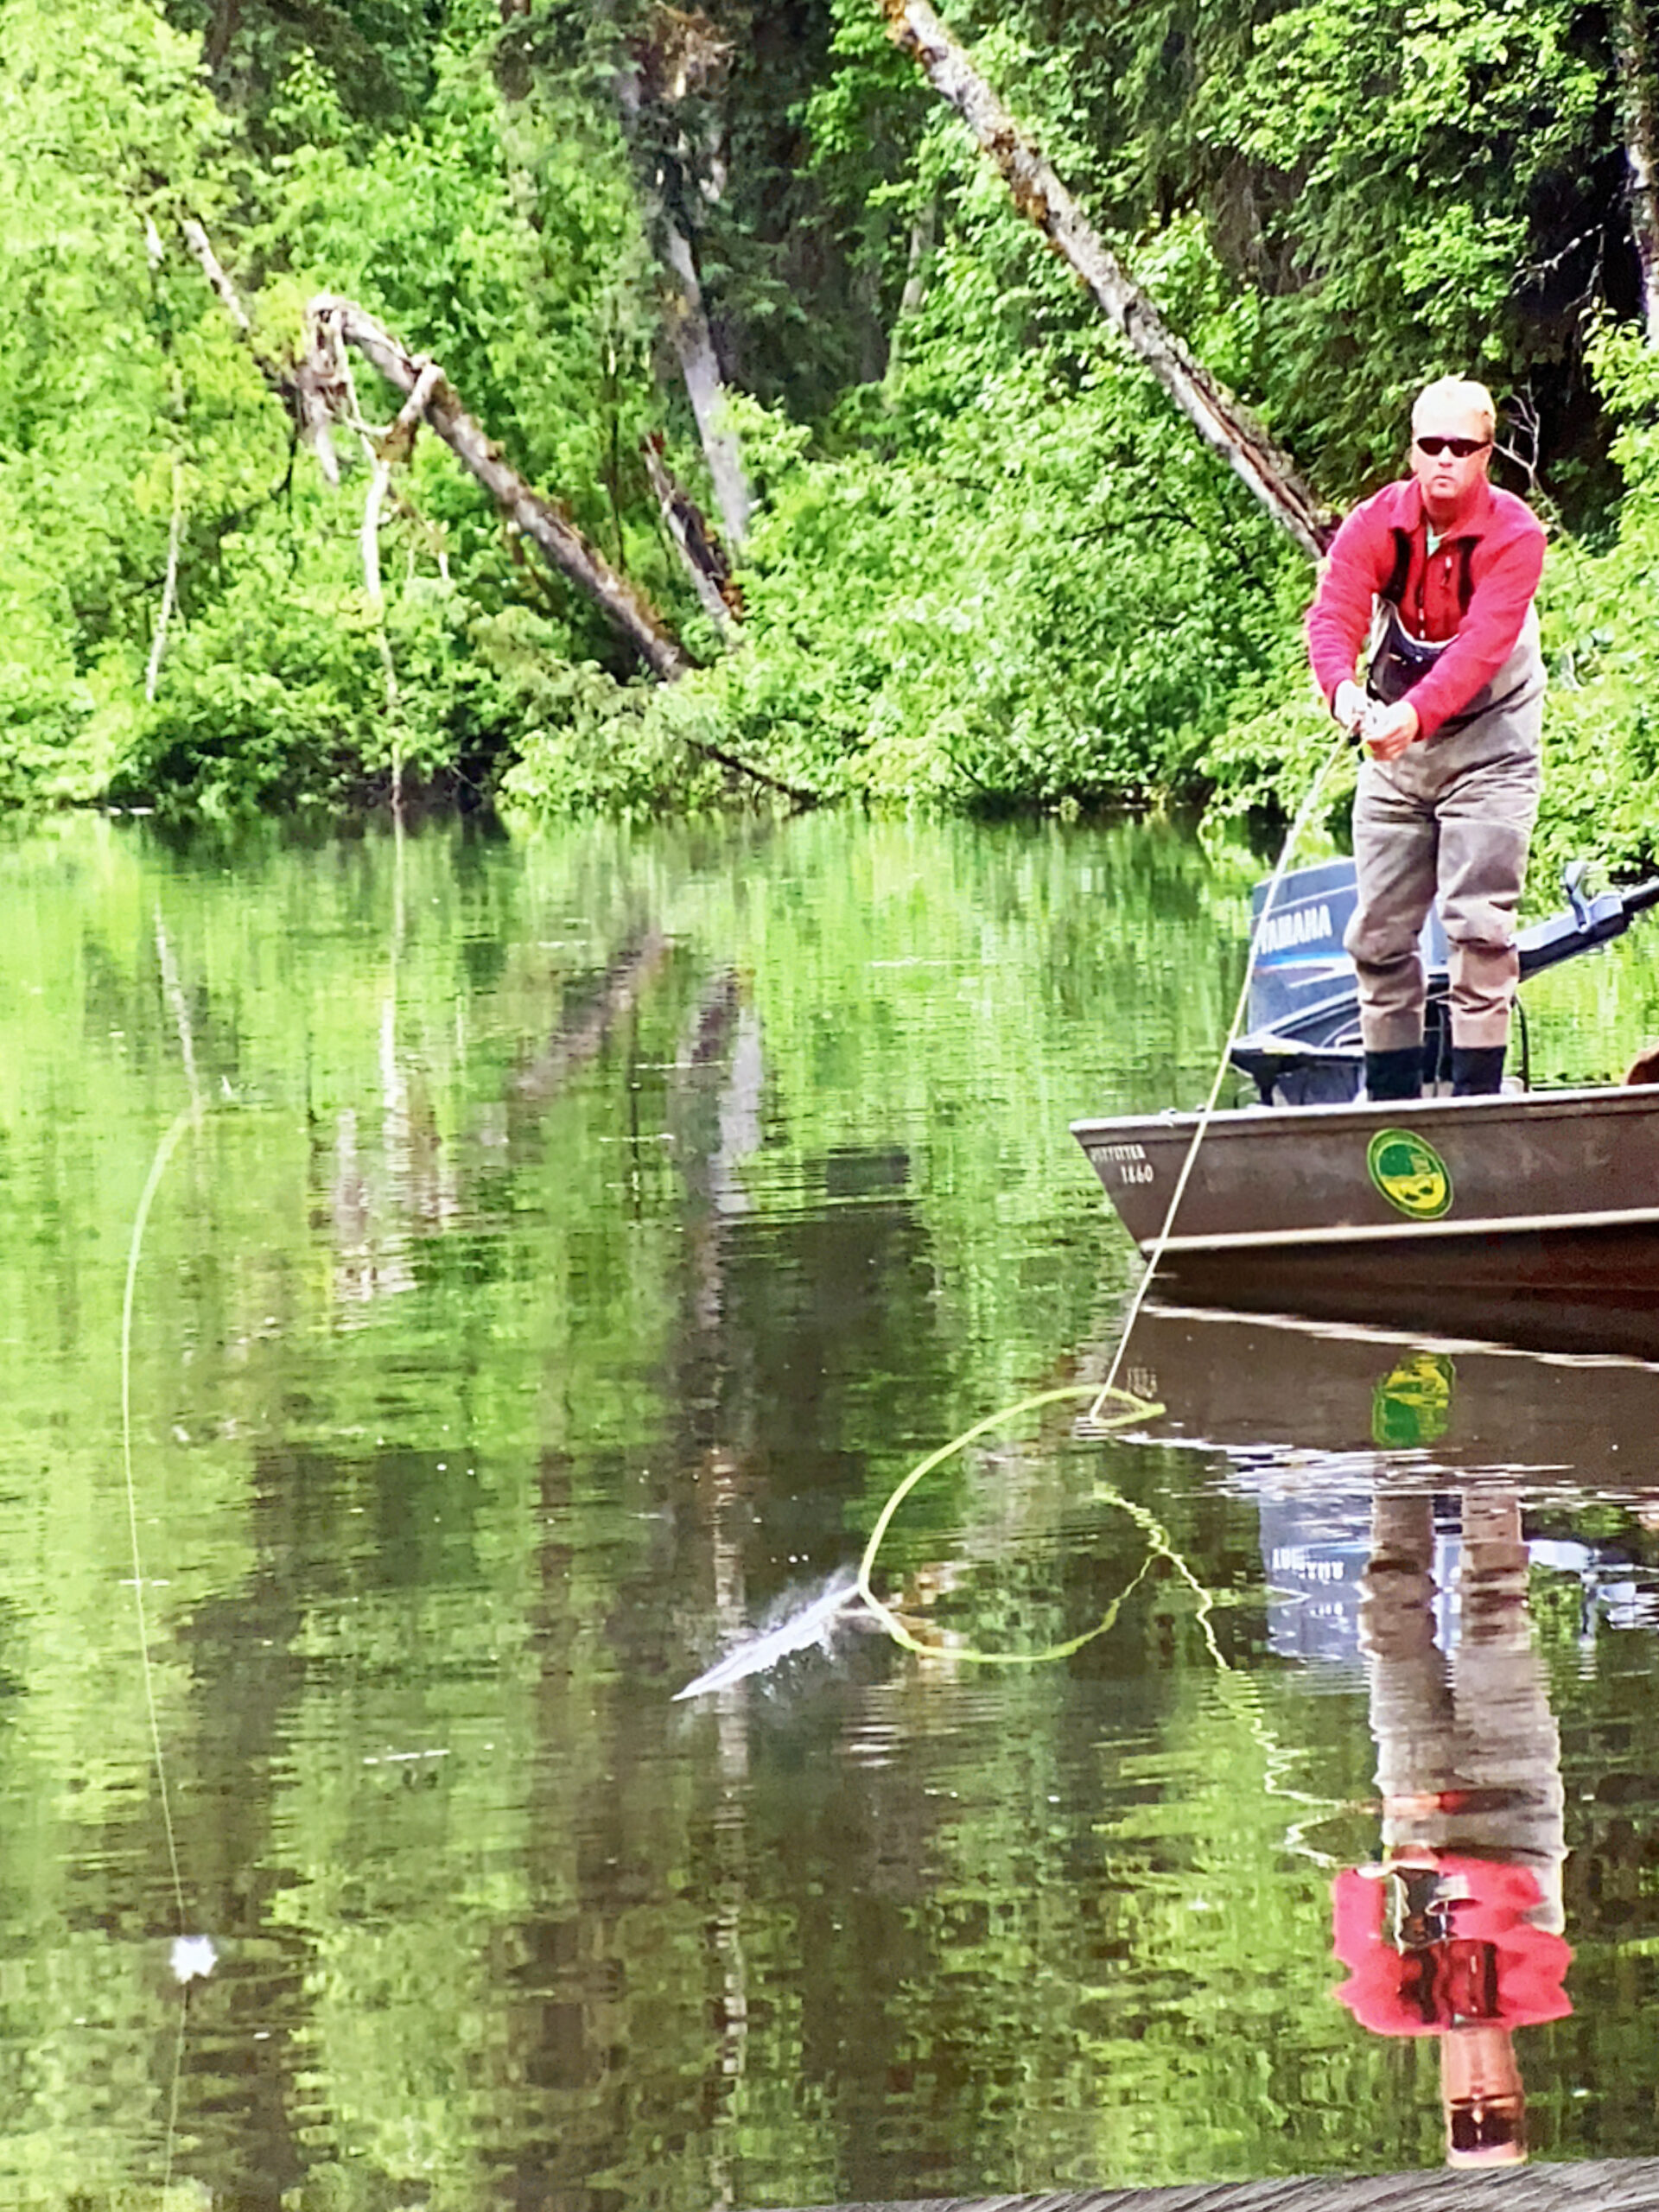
(1394, 589)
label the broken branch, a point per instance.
(332, 322)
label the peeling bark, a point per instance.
(684, 55)
(1639, 103)
(695, 543)
(1226, 427)
(332, 322)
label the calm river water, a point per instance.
(575, 1242)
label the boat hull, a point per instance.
(1534, 1212)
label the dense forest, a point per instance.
(575, 404)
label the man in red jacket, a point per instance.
(1433, 579)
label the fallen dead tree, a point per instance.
(318, 392)
(1225, 425)
(332, 324)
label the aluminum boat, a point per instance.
(1322, 1202)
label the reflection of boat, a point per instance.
(1309, 1416)
(1273, 1385)
(1486, 1215)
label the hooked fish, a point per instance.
(813, 1624)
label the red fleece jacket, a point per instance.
(1506, 558)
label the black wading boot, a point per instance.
(1395, 1075)
(1476, 1069)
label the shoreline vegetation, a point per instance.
(594, 406)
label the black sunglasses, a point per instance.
(1462, 447)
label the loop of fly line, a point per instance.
(1134, 1409)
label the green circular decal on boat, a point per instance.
(1410, 1174)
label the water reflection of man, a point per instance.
(1457, 1933)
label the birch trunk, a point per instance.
(1226, 426)
(170, 588)
(331, 322)
(699, 549)
(685, 309)
(1639, 102)
(705, 387)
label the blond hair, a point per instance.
(1460, 392)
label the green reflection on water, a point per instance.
(581, 1239)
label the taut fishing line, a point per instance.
(1096, 1421)
(192, 1955)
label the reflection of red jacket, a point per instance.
(1494, 1965)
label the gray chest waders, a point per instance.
(1450, 817)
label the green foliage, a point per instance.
(584, 743)
(996, 585)
(1410, 145)
(105, 369)
(1602, 717)
(989, 565)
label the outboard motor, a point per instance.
(1303, 1047)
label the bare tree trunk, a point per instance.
(685, 310)
(381, 455)
(331, 323)
(698, 547)
(1639, 101)
(170, 588)
(705, 387)
(1226, 426)
(374, 594)
(924, 236)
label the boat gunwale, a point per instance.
(1348, 1232)
(1619, 1098)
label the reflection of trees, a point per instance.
(411, 1185)
(600, 1947)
